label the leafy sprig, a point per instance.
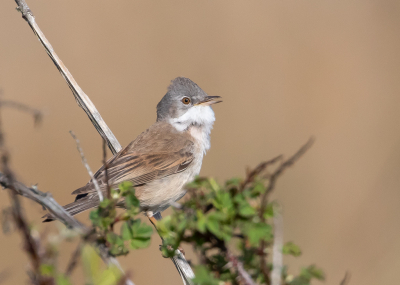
(134, 234)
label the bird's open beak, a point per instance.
(210, 100)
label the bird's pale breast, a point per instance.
(158, 195)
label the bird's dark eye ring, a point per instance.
(186, 100)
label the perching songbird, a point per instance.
(162, 159)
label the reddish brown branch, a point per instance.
(274, 176)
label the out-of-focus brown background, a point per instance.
(286, 70)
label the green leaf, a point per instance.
(126, 187)
(234, 182)
(312, 272)
(114, 239)
(223, 201)
(143, 231)
(131, 201)
(105, 203)
(213, 222)
(95, 217)
(163, 226)
(138, 243)
(117, 250)
(201, 222)
(47, 270)
(291, 249)
(269, 211)
(257, 232)
(245, 210)
(226, 232)
(126, 232)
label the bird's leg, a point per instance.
(152, 220)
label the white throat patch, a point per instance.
(200, 120)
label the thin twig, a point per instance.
(273, 177)
(84, 161)
(37, 114)
(81, 98)
(256, 171)
(31, 245)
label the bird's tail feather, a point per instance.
(76, 207)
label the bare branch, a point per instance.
(81, 98)
(84, 161)
(31, 246)
(47, 201)
(44, 199)
(256, 171)
(273, 177)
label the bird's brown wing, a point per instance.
(146, 159)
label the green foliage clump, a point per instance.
(231, 224)
(133, 231)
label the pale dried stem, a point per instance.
(81, 98)
(277, 258)
(86, 104)
(85, 163)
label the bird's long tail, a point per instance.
(80, 205)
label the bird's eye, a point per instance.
(185, 100)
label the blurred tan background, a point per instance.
(286, 70)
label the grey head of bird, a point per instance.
(186, 104)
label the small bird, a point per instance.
(162, 159)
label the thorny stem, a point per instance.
(85, 163)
